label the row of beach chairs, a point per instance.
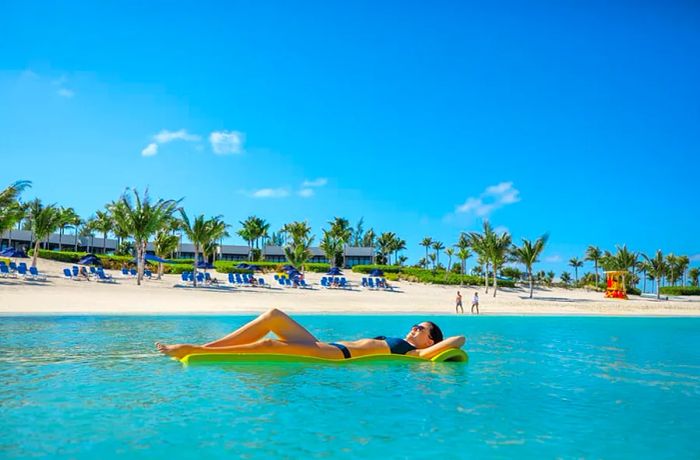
(245, 279)
(98, 274)
(376, 283)
(20, 270)
(335, 282)
(132, 273)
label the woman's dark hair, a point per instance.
(435, 332)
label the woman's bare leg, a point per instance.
(274, 321)
(317, 349)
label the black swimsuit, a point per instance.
(396, 345)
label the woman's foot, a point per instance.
(176, 351)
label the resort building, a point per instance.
(98, 245)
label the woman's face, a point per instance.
(419, 335)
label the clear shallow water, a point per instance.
(535, 387)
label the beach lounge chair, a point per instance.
(13, 267)
(132, 272)
(343, 283)
(125, 273)
(22, 271)
(68, 274)
(35, 275)
(102, 277)
(200, 277)
(231, 279)
(261, 283)
(148, 274)
(93, 271)
(76, 271)
(5, 271)
(370, 283)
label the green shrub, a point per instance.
(634, 291)
(385, 268)
(680, 290)
(317, 267)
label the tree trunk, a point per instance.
(486, 277)
(76, 239)
(36, 252)
(495, 281)
(597, 280)
(529, 272)
(60, 239)
(138, 263)
(194, 269)
(658, 290)
(160, 270)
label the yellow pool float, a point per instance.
(456, 355)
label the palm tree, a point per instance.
(683, 262)
(450, 252)
(643, 266)
(481, 244)
(385, 245)
(576, 264)
(565, 278)
(44, 220)
(297, 250)
(463, 254)
(428, 243)
(103, 223)
(331, 247)
(593, 253)
(437, 247)
(672, 264)
(165, 243)
(500, 251)
(693, 274)
(397, 245)
(11, 211)
(201, 232)
(143, 218)
(528, 255)
(254, 228)
(358, 232)
(68, 217)
(341, 229)
(657, 268)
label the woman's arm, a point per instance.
(434, 350)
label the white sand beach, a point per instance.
(57, 295)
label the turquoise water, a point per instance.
(535, 387)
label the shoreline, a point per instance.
(62, 297)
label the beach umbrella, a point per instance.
(288, 267)
(334, 271)
(89, 259)
(204, 265)
(13, 253)
(255, 268)
(153, 258)
(376, 272)
(243, 266)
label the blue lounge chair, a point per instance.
(261, 283)
(68, 274)
(125, 272)
(22, 271)
(343, 283)
(132, 272)
(102, 277)
(92, 270)
(200, 277)
(13, 266)
(231, 279)
(148, 274)
(35, 275)
(5, 271)
(370, 283)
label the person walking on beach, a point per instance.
(458, 303)
(475, 303)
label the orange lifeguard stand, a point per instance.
(615, 288)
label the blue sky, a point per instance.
(580, 119)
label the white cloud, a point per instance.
(226, 142)
(492, 198)
(270, 193)
(320, 182)
(150, 150)
(553, 259)
(306, 193)
(64, 92)
(166, 136)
